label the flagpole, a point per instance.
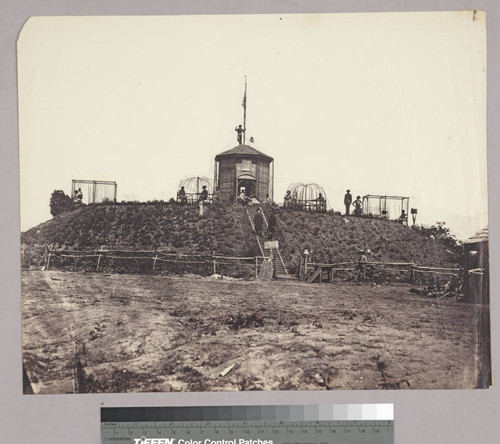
(245, 111)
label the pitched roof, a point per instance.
(245, 150)
(480, 236)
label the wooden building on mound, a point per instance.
(476, 289)
(243, 168)
(476, 285)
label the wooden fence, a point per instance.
(151, 261)
(157, 262)
(377, 271)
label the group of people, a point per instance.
(245, 199)
(357, 204)
(358, 208)
(78, 196)
(258, 223)
(318, 204)
(202, 197)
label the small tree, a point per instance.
(60, 203)
(441, 234)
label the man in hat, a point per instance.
(258, 220)
(361, 267)
(240, 130)
(271, 225)
(287, 200)
(403, 218)
(181, 196)
(321, 203)
(204, 193)
(358, 206)
(347, 202)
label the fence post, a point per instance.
(154, 261)
(256, 267)
(412, 273)
(215, 265)
(98, 262)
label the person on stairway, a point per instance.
(243, 199)
(258, 220)
(271, 225)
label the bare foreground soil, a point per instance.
(133, 333)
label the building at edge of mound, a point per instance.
(243, 168)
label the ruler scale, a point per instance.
(342, 424)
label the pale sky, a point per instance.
(382, 103)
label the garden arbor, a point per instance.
(95, 191)
(308, 196)
(193, 186)
(390, 207)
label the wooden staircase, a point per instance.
(281, 271)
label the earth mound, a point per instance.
(226, 230)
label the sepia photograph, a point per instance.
(254, 202)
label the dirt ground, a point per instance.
(133, 333)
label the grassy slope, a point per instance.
(226, 230)
(148, 226)
(335, 238)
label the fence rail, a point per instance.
(152, 261)
(409, 269)
(157, 261)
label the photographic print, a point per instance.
(254, 202)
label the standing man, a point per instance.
(347, 202)
(361, 267)
(240, 130)
(258, 220)
(287, 199)
(271, 225)
(358, 206)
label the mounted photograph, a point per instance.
(254, 202)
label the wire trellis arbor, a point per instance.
(193, 187)
(308, 197)
(390, 207)
(94, 191)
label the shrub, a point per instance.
(60, 203)
(440, 234)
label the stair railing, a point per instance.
(277, 249)
(256, 235)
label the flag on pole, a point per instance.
(244, 104)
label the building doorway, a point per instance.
(248, 186)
